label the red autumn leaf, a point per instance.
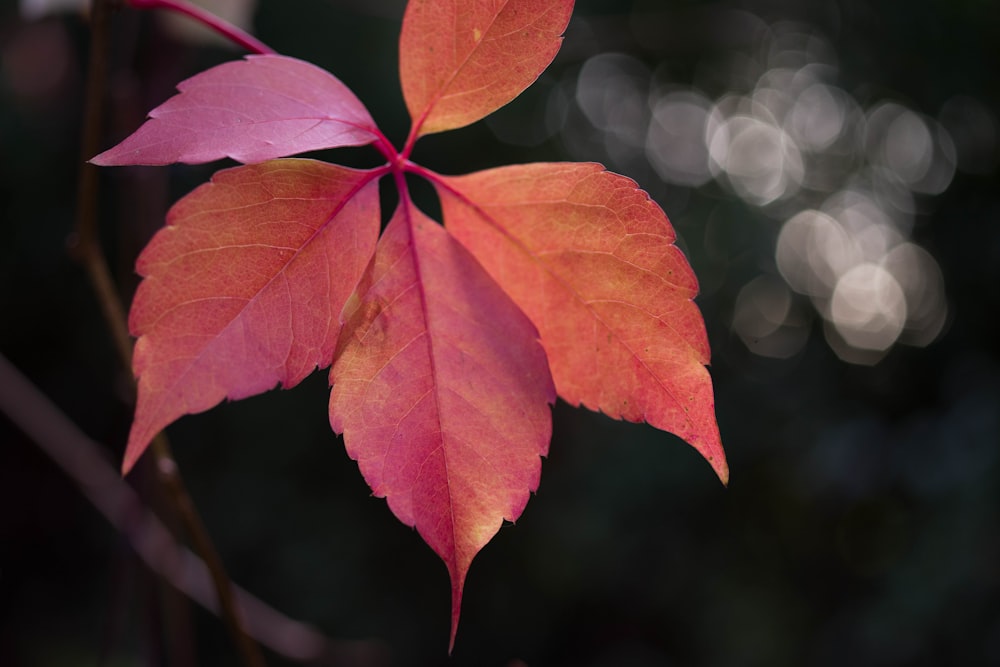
(592, 261)
(447, 344)
(244, 286)
(460, 60)
(251, 110)
(442, 392)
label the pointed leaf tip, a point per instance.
(251, 110)
(243, 288)
(459, 61)
(721, 468)
(442, 393)
(591, 260)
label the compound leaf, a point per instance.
(447, 344)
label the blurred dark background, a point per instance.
(831, 170)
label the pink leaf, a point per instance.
(244, 286)
(441, 391)
(264, 107)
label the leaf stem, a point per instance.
(404, 156)
(85, 246)
(424, 172)
(399, 177)
(385, 147)
(231, 32)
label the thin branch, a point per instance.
(84, 244)
(169, 476)
(86, 463)
(231, 32)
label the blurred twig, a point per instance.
(85, 462)
(231, 614)
(228, 30)
(85, 245)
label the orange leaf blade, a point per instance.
(591, 260)
(442, 392)
(460, 60)
(244, 286)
